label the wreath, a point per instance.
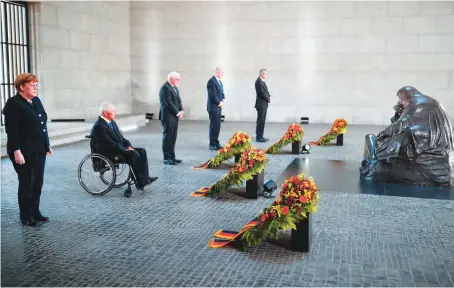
(252, 162)
(339, 127)
(294, 134)
(299, 195)
(239, 142)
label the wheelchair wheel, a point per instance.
(128, 192)
(93, 171)
(123, 174)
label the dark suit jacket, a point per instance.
(107, 141)
(263, 96)
(169, 98)
(215, 94)
(26, 126)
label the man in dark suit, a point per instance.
(109, 142)
(261, 104)
(171, 112)
(215, 104)
(27, 145)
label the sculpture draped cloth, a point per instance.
(414, 149)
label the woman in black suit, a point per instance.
(27, 146)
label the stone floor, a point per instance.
(159, 237)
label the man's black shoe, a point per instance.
(178, 161)
(29, 222)
(141, 186)
(261, 140)
(169, 162)
(212, 147)
(218, 146)
(41, 218)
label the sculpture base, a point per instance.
(296, 147)
(300, 240)
(254, 187)
(340, 140)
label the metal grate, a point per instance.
(15, 54)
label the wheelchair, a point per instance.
(110, 173)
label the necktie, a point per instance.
(111, 125)
(222, 86)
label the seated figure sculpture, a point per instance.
(398, 108)
(415, 148)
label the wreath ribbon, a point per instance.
(202, 192)
(224, 237)
(203, 165)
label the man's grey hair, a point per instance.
(105, 106)
(217, 70)
(172, 74)
(263, 70)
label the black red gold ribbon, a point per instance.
(318, 141)
(202, 192)
(204, 165)
(224, 237)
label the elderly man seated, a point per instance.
(415, 148)
(109, 142)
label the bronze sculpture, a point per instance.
(415, 148)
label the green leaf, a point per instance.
(235, 150)
(236, 179)
(276, 147)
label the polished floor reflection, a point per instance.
(343, 176)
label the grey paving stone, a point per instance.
(159, 237)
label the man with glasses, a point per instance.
(171, 112)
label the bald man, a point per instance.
(109, 142)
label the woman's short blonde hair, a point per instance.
(24, 78)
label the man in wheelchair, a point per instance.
(109, 142)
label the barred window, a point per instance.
(15, 54)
